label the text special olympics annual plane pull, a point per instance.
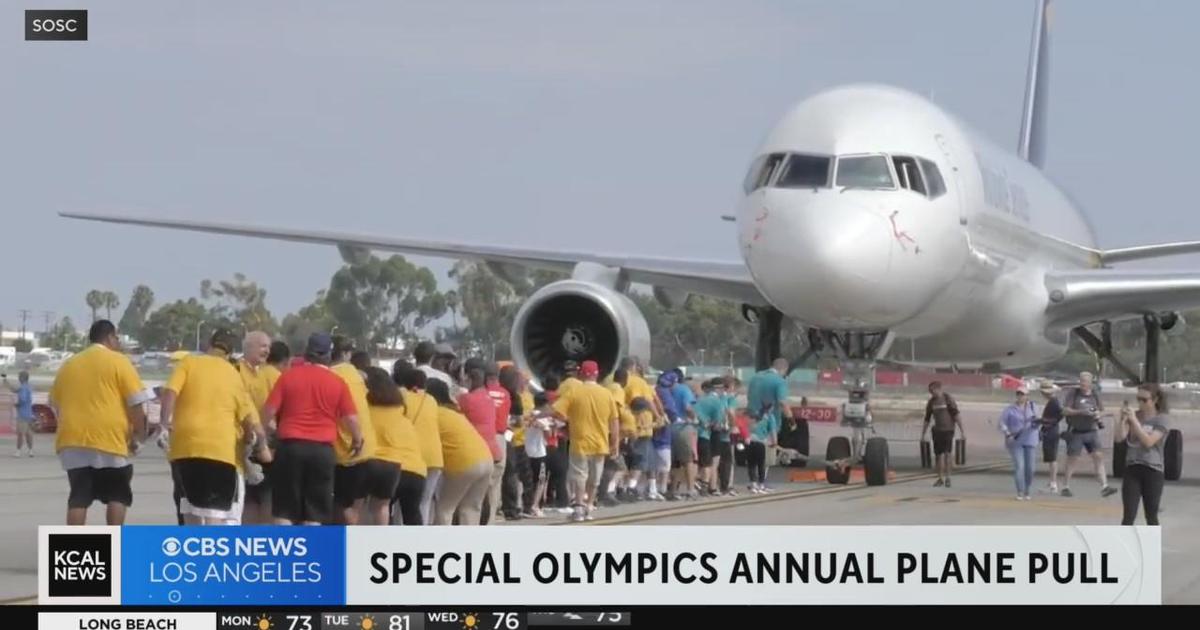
(869, 215)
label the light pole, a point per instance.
(701, 356)
(198, 325)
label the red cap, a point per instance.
(589, 369)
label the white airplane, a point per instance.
(870, 214)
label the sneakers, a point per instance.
(947, 483)
(609, 501)
(1049, 489)
(731, 492)
(18, 453)
(1066, 492)
(29, 453)
(939, 483)
(577, 514)
(655, 496)
(1107, 491)
(766, 489)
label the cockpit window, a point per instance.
(933, 177)
(868, 171)
(761, 171)
(908, 173)
(805, 171)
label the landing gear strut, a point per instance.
(1102, 347)
(857, 352)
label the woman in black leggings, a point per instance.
(1144, 434)
(756, 466)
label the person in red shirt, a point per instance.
(479, 408)
(503, 401)
(304, 408)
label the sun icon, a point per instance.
(264, 622)
(366, 622)
(471, 621)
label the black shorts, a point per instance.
(943, 442)
(260, 493)
(302, 481)
(207, 484)
(1050, 439)
(349, 484)
(106, 485)
(704, 452)
(381, 479)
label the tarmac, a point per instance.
(33, 492)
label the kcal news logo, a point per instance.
(57, 25)
(81, 565)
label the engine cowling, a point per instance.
(577, 320)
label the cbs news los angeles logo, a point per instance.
(63, 26)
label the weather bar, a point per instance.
(592, 619)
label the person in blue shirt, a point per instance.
(661, 439)
(684, 455)
(724, 441)
(767, 395)
(1019, 424)
(713, 422)
(24, 412)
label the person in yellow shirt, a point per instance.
(423, 410)
(204, 404)
(467, 463)
(570, 379)
(353, 477)
(98, 399)
(401, 473)
(637, 431)
(617, 466)
(592, 418)
(259, 377)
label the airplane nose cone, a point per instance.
(826, 259)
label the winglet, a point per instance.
(1032, 144)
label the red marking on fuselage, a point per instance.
(901, 235)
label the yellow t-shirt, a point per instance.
(423, 410)
(397, 439)
(527, 409)
(567, 385)
(93, 391)
(628, 422)
(210, 405)
(358, 392)
(645, 423)
(462, 446)
(636, 387)
(257, 382)
(588, 408)
(271, 375)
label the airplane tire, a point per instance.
(1173, 456)
(838, 448)
(1118, 463)
(875, 461)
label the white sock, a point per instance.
(632, 485)
(612, 486)
(653, 486)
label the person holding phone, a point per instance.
(1144, 433)
(1021, 439)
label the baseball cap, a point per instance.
(319, 344)
(589, 369)
(1022, 389)
(224, 339)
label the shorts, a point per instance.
(586, 468)
(260, 493)
(302, 481)
(208, 488)
(106, 485)
(381, 480)
(618, 464)
(662, 459)
(683, 447)
(1076, 442)
(704, 453)
(641, 454)
(943, 441)
(350, 484)
(1050, 441)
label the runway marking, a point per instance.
(768, 498)
(28, 600)
(1005, 504)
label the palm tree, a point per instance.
(95, 300)
(111, 301)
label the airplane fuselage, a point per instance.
(919, 226)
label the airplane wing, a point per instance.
(722, 279)
(1141, 252)
(1084, 297)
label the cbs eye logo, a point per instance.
(56, 26)
(171, 547)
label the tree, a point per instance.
(315, 317)
(95, 301)
(488, 303)
(111, 301)
(239, 302)
(174, 326)
(23, 345)
(136, 312)
(62, 336)
(377, 301)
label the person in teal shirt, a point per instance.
(767, 395)
(712, 414)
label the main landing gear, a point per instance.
(857, 353)
(1102, 347)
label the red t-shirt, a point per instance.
(310, 399)
(503, 401)
(478, 407)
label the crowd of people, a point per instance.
(261, 437)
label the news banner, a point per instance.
(494, 578)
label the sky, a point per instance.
(620, 126)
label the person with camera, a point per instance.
(1145, 434)
(1082, 409)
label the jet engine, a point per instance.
(577, 320)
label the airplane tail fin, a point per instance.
(1032, 146)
